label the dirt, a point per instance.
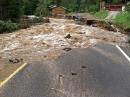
(47, 41)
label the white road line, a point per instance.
(126, 56)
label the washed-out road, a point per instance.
(99, 71)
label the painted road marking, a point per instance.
(12, 75)
(127, 57)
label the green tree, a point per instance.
(15, 9)
(42, 9)
(30, 6)
(11, 9)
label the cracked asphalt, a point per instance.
(99, 71)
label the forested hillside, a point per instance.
(13, 9)
(71, 5)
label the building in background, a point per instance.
(57, 11)
(118, 6)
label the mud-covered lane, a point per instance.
(34, 81)
(77, 73)
(46, 41)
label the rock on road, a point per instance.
(99, 71)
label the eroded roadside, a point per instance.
(47, 41)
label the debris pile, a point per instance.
(15, 60)
(58, 34)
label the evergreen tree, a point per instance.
(11, 9)
(30, 6)
(42, 9)
(15, 9)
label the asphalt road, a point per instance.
(100, 71)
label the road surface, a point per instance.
(112, 15)
(99, 71)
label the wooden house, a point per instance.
(114, 7)
(119, 6)
(57, 11)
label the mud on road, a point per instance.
(47, 41)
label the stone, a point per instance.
(67, 49)
(68, 36)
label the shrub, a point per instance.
(93, 8)
(128, 8)
(7, 26)
(123, 20)
(101, 14)
(2, 26)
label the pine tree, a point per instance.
(11, 9)
(42, 9)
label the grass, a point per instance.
(101, 14)
(123, 20)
